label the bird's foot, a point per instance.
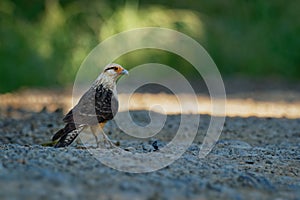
(109, 144)
(82, 147)
(106, 144)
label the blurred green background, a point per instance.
(44, 42)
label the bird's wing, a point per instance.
(97, 105)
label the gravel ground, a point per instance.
(255, 158)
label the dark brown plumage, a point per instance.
(97, 106)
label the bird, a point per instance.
(97, 105)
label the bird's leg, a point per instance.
(106, 140)
(94, 131)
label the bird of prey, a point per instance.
(97, 106)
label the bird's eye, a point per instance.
(114, 68)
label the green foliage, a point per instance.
(44, 42)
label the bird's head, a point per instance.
(114, 71)
(109, 75)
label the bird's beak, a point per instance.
(124, 71)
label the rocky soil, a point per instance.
(255, 158)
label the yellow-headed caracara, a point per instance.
(98, 105)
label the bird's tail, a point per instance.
(67, 135)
